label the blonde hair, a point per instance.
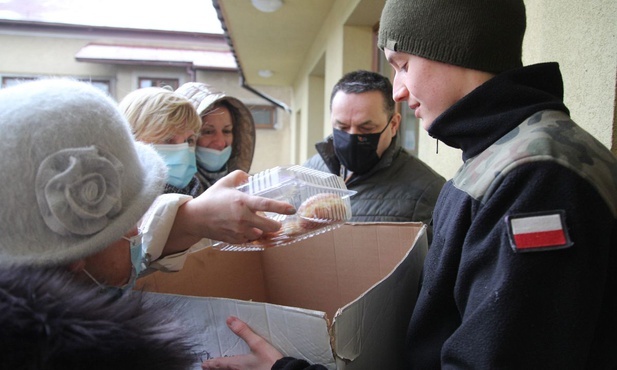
(157, 114)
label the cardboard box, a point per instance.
(363, 276)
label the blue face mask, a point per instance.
(180, 161)
(137, 255)
(211, 159)
(138, 264)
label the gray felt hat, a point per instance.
(73, 178)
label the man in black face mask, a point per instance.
(391, 184)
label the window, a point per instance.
(12, 81)
(264, 115)
(173, 83)
(102, 84)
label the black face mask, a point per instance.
(357, 152)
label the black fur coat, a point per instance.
(49, 322)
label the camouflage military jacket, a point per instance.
(521, 271)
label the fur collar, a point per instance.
(49, 321)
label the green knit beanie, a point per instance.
(485, 35)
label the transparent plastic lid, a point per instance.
(320, 198)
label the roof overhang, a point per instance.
(283, 40)
(278, 41)
(142, 55)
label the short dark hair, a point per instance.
(361, 81)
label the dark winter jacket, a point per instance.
(400, 188)
(50, 322)
(503, 288)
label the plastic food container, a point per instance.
(321, 200)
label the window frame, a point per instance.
(270, 110)
(172, 82)
(96, 82)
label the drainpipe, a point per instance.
(243, 83)
(190, 70)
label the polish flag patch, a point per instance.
(536, 232)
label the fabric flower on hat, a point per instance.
(78, 190)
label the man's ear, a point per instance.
(77, 266)
(395, 123)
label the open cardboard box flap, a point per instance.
(363, 275)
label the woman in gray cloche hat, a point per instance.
(77, 198)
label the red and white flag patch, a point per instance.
(539, 231)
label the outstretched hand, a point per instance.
(226, 214)
(263, 355)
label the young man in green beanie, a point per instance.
(519, 275)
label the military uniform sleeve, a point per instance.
(522, 308)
